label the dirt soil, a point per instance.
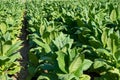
(24, 51)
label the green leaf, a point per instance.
(49, 29)
(14, 48)
(117, 54)
(103, 51)
(104, 37)
(5, 77)
(3, 27)
(80, 22)
(95, 43)
(61, 60)
(6, 46)
(113, 15)
(32, 29)
(42, 28)
(98, 63)
(14, 68)
(72, 53)
(3, 58)
(63, 40)
(76, 64)
(15, 56)
(43, 45)
(10, 20)
(85, 77)
(43, 78)
(112, 74)
(86, 64)
(113, 42)
(7, 36)
(115, 71)
(33, 58)
(46, 37)
(67, 77)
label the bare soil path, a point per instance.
(24, 51)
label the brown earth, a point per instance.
(24, 51)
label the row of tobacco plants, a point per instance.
(11, 16)
(74, 39)
(68, 40)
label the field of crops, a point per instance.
(67, 39)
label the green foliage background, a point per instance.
(69, 40)
(74, 40)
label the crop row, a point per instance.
(11, 16)
(68, 40)
(74, 40)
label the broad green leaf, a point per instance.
(67, 77)
(62, 40)
(80, 22)
(32, 29)
(14, 48)
(3, 27)
(104, 37)
(15, 68)
(85, 77)
(6, 46)
(10, 20)
(95, 43)
(72, 53)
(42, 28)
(53, 35)
(99, 63)
(109, 44)
(117, 54)
(103, 51)
(86, 64)
(43, 45)
(49, 28)
(115, 71)
(110, 31)
(3, 58)
(113, 15)
(33, 58)
(4, 76)
(14, 57)
(76, 64)
(46, 37)
(43, 78)
(112, 74)
(113, 42)
(61, 60)
(118, 64)
(79, 70)
(7, 37)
